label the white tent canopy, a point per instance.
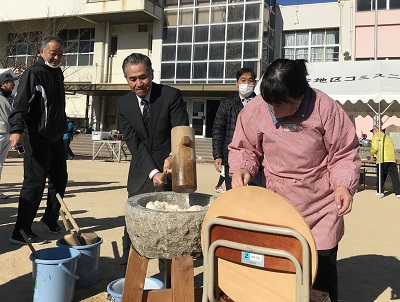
(362, 87)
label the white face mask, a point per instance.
(52, 66)
(246, 89)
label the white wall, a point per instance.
(129, 41)
(310, 16)
(28, 9)
(320, 16)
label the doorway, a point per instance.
(199, 118)
(212, 107)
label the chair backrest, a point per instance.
(256, 238)
(257, 247)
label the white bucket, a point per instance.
(116, 287)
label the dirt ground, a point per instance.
(368, 259)
(95, 195)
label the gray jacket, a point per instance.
(5, 111)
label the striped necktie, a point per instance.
(146, 111)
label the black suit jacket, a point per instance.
(149, 150)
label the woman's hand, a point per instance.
(343, 200)
(240, 178)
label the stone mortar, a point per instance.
(166, 234)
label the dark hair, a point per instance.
(135, 59)
(284, 79)
(47, 39)
(244, 70)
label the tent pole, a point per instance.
(386, 108)
(380, 155)
(379, 151)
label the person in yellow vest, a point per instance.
(387, 161)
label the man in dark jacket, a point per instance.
(146, 116)
(148, 138)
(39, 111)
(225, 121)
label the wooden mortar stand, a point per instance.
(181, 287)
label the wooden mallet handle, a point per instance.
(28, 243)
(68, 213)
(65, 221)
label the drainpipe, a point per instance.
(340, 27)
(87, 111)
(105, 76)
(106, 57)
(103, 112)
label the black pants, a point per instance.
(68, 150)
(326, 279)
(391, 169)
(220, 180)
(42, 160)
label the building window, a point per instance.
(209, 40)
(201, 34)
(314, 45)
(169, 35)
(394, 4)
(78, 46)
(22, 49)
(171, 3)
(368, 5)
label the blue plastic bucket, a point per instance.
(116, 287)
(88, 263)
(54, 274)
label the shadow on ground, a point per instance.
(108, 271)
(10, 206)
(364, 278)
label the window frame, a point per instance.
(77, 56)
(307, 50)
(16, 42)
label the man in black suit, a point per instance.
(146, 116)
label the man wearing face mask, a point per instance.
(225, 121)
(39, 112)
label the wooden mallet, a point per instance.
(83, 238)
(71, 238)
